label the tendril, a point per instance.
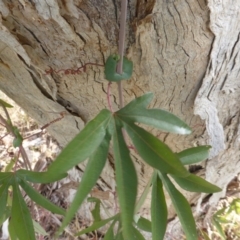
(71, 71)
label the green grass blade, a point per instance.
(96, 225)
(158, 210)
(91, 174)
(3, 199)
(182, 208)
(126, 180)
(41, 200)
(194, 183)
(83, 145)
(154, 152)
(194, 155)
(137, 103)
(20, 216)
(39, 177)
(144, 224)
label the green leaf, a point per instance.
(205, 236)
(5, 215)
(39, 229)
(97, 225)
(157, 118)
(111, 67)
(218, 227)
(126, 180)
(3, 198)
(144, 224)
(159, 211)
(137, 103)
(5, 104)
(137, 234)
(154, 152)
(39, 177)
(182, 208)
(144, 195)
(5, 177)
(194, 183)
(83, 145)
(119, 236)
(110, 234)
(10, 165)
(12, 231)
(194, 155)
(91, 174)
(136, 111)
(18, 137)
(96, 211)
(20, 216)
(41, 200)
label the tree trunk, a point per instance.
(185, 52)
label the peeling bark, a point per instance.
(185, 52)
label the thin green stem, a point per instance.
(121, 48)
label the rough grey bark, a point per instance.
(185, 52)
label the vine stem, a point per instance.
(121, 47)
(108, 97)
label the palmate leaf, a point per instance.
(137, 103)
(5, 177)
(41, 200)
(154, 152)
(182, 208)
(194, 183)
(91, 174)
(136, 111)
(126, 180)
(158, 210)
(194, 155)
(83, 145)
(20, 216)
